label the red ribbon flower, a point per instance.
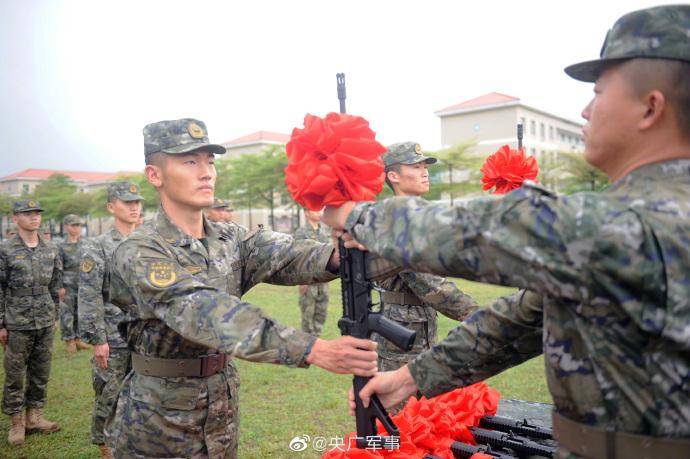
(507, 169)
(429, 426)
(333, 160)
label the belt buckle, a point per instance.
(211, 364)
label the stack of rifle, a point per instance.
(505, 438)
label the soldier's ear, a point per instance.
(655, 104)
(393, 176)
(154, 174)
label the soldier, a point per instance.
(313, 299)
(216, 213)
(180, 280)
(613, 269)
(30, 281)
(227, 212)
(70, 250)
(98, 319)
(412, 298)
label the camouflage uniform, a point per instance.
(29, 283)
(612, 270)
(182, 296)
(98, 318)
(70, 254)
(314, 301)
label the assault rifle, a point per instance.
(521, 445)
(360, 320)
(523, 427)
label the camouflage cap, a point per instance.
(405, 153)
(175, 137)
(26, 205)
(219, 204)
(124, 191)
(662, 32)
(72, 219)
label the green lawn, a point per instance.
(277, 403)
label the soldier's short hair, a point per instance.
(392, 168)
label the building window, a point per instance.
(25, 188)
(550, 132)
(523, 122)
(542, 131)
(533, 127)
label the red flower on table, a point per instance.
(507, 169)
(332, 160)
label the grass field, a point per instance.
(277, 403)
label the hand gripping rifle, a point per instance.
(360, 321)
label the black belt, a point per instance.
(401, 298)
(201, 367)
(597, 442)
(29, 291)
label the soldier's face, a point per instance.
(611, 120)
(412, 180)
(187, 180)
(74, 230)
(216, 215)
(28, 221)
(227, 215)
(126, 212)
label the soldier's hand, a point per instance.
(349, 241)
(3, 338)
(302, 289)
(345, 355)
(335, 217)
(61, 294)
(392, 387)
(101, 352)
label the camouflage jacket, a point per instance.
(70, 254)
(613, 273)
(183, 294)
(22, 268)
(435, 293)
(97, 318)
(322, 233)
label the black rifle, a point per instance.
(523, 427)
(519, 135)
(465, 450)
(360, 321)
(521, 445)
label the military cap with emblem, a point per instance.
(176, 137)
(26, 205)
(219, 204)
(662, 32)
(72, 219)
(124, 191)
(405, 153)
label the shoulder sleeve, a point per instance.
(90, 305)
(440, 293)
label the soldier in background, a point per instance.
(98, 318)
(70, 252)
(216, 213)
(227, 212)
(30, 282)
(613, 268)
(180, 279)
(313, 299)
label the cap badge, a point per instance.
(195, 131)
(133, 189)
(417, 149)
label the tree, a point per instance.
(463, 169)
(575, 174)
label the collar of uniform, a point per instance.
(663, 171)
(18, 241)
(172, 234)
(115, 235)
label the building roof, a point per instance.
(490, 99)
(258, 137)
(77, 176)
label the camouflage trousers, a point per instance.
(106, 385)
(314, 306)
(27, 357)
(69, 327)
(176, 417)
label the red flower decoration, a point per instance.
(333, 160)
(507, 169)
(429, 426)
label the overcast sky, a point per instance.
(80, 79)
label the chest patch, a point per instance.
(87, 265)
(161, 274)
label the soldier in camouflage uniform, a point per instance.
(612, 269)
(216, 213)
(70, 249)
(30, 281)
(180, 280)
(98, 318)
(313, 299)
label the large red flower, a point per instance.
(333, 160)
(507, 169)
(429, 426)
